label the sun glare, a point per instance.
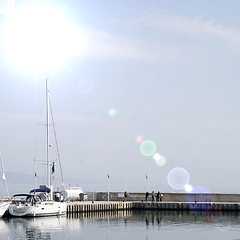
(6, 6)
(39, 38)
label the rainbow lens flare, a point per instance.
(178, 178)
(159, 159)
(148, 148)
(112, 112)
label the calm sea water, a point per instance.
(125, 225)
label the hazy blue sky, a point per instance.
(169, 69)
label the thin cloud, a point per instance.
(105, 45)
(192, 26)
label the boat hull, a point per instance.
(4, 207)
(46, 208)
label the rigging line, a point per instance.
(37, 137)
(55, 135)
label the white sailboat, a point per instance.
(39, 202)
(4, 205)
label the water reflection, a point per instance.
(120, 224)
(165, 217)
(4, 228)
(37, 228)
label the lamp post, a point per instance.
(81, 172)
(108, 176)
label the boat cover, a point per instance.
(44, 190)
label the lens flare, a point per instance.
(38, 38)
(223, 224)
(213, 214)
(139, 139)
(199, 194)
(112, 112)
(159, 159)
(148, 148)
(6, 6)
(178, 178)
(200, 189)
(188, 188)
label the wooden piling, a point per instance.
(102, 206)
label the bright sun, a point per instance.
(39, 38)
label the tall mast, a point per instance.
(48, 145)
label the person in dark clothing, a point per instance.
(161, 197)
(147, 194)
(153, 196)
(158, 196)
(125, 195)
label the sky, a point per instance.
(145, 91)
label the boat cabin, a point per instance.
(26, 199)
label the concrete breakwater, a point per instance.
(98, 202)
(190, 206)
(167, 197)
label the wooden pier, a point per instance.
(97, 206)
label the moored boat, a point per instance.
(31, 205)
(4, 207)
(39, 202)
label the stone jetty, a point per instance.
(98, 202)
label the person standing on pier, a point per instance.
(125, 195)
(147, 196)
(161, 196)
(153, 196)
(158, 196)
